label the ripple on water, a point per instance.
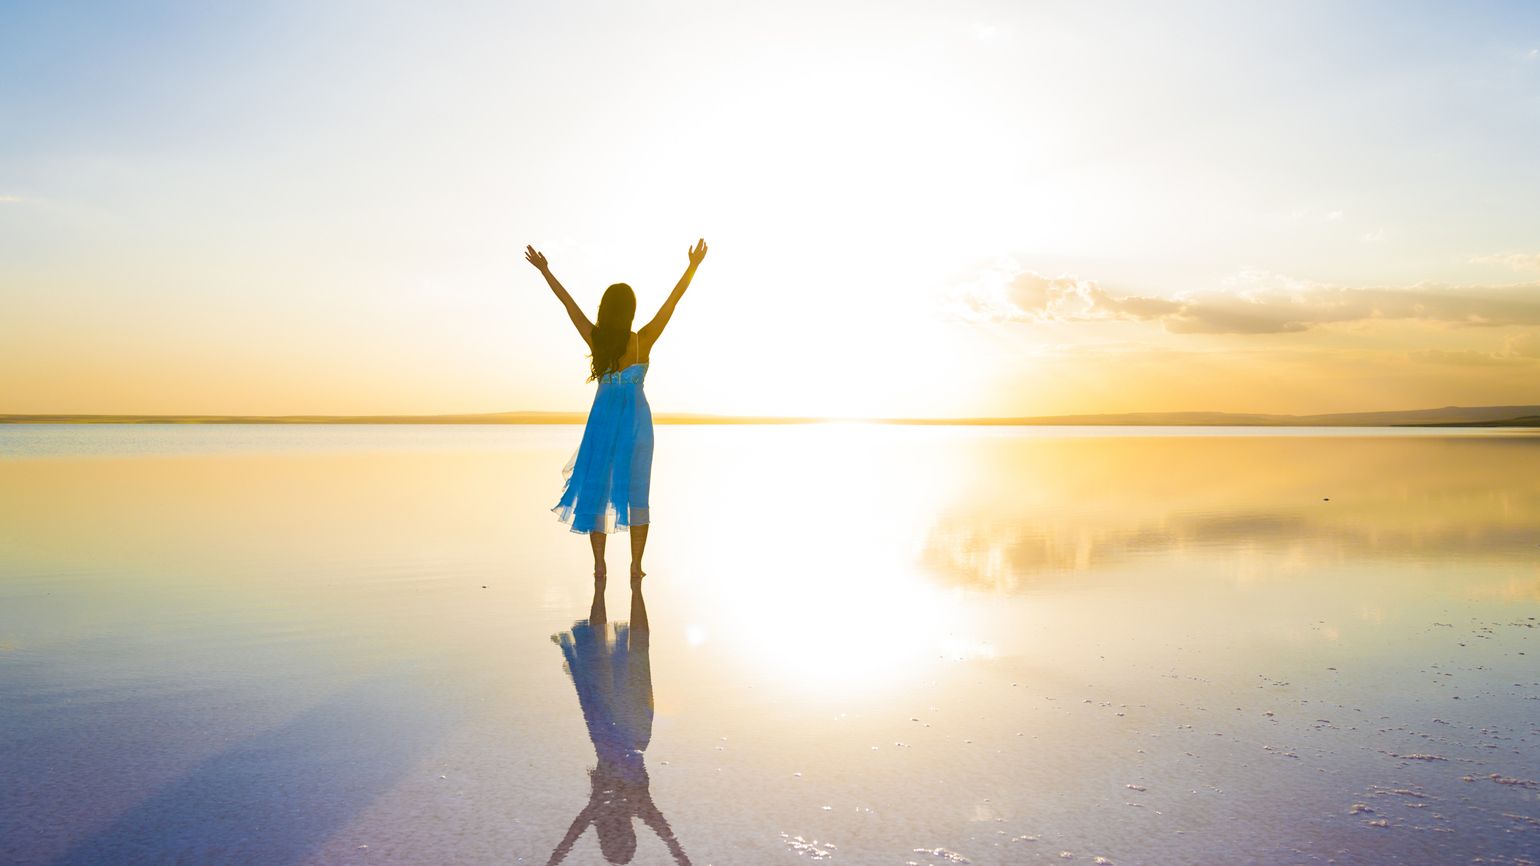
(809, 848)
(943, 854)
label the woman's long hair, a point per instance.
(613, 330)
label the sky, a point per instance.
(954, 209)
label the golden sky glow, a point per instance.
(920, 210)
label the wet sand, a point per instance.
(864, 645)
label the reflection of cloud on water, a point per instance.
(1036, 550)
(1033, 511)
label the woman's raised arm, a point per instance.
(574, 312)
(579, 824)
(652, 330)
(654, 819)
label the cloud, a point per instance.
(1521, 349)
(1524, 346)
(1026, 296)
(11, 199)
(1516, 261)
(1464, 358)
(1257, 303)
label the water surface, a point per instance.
(863, 645)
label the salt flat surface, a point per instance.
(863, 645)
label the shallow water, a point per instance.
(866, 645)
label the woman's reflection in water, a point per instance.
(611, 671)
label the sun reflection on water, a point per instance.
(826, 578)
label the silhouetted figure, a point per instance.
(607, 480)
(612, 673)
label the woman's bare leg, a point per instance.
(596, 539)
(639, 627)
(638, 544)
(596, 610)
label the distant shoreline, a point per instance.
(1448, 416)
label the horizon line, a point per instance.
(1518, 415)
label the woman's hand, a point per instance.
(652, 330)
(580, 321)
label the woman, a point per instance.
(607, 480)
(610, 667)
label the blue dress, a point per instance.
(607, 479)
(612, 673)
